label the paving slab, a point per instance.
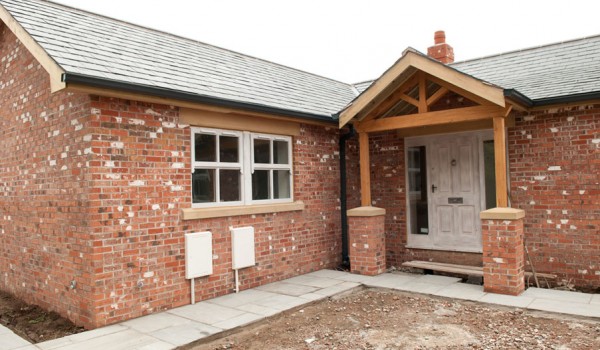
(240, 320)
(287, 288)
(439, 280)
(462, 291)
(565, 307)
(206, 313)
(185, 333)
(350, 277)
(4, 330)
(389, 280)
(558, 295)
(595, 299)
(10, 341)
(259, 309)
(313, 296)
(125, 340)
(241, 298)
(507, 300)
(337, 289)
(26, 347)
(155, 322)
(281, 302)
(423, 288)
(81, 337)
(328, 274)
(313, 281)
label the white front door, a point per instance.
(455, 195)
(446, 184)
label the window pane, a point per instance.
(280, 152)
(205, 148)
(417, 189)
(203, 186)
(229, 182)
(262, 151)
(260, 184)
(490, 174)
(228, 149)
(281, 184)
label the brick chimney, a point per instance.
(441, 51)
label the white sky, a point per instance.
(351, 40)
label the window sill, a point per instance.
(218, 212)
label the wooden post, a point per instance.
(423, 108)
(365, 169)
(500, 156)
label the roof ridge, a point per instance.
(531, 48)
(191, 40)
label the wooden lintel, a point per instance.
(449, 116)
(365, 169)
(437, 95)
(446, 128)
(423, 108)
(500, 162)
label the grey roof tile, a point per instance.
(98, 46)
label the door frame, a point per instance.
(421, 241)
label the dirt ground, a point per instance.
(31, 322)
(383, 319)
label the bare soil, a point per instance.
(32, 322)
(383, 319)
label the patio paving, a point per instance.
(183, 325)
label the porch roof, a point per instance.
(403, 70)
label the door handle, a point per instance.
(433, 188)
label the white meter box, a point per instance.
(198, 254)
(242, 247)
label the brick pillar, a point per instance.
(503, 251)
(366, 237)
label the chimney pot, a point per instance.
(439, 37)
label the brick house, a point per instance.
(118, 140)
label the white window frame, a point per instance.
(270, 167)
(245, 165)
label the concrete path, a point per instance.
(180, 326)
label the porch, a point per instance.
(453, 186)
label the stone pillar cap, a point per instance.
(502, 214)
(366, 211)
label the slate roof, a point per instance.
(106, 49)
(545, 72)
(97, 46)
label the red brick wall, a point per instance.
(44, 240)
(142, 179)
(555, 177)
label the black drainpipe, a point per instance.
(343, 191)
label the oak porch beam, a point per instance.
(450, 116)
(500, 160)
(423, 107)
(365, 170)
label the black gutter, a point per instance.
(343, 194)
(188, 97)
(527, 102)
